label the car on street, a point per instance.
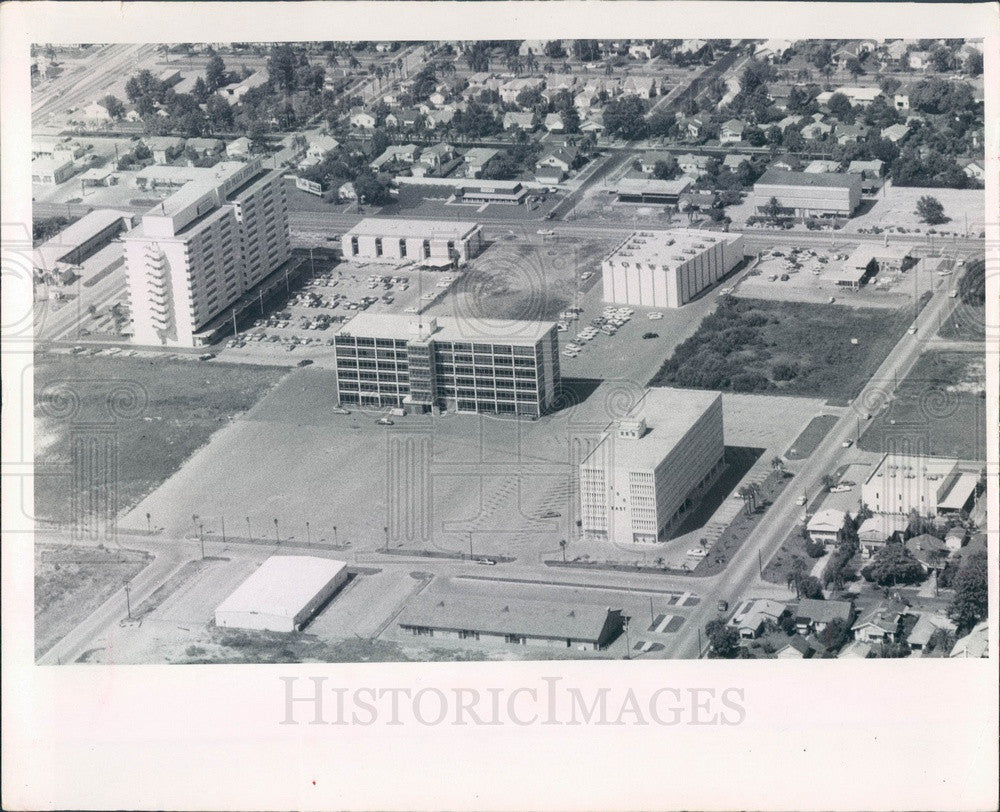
(654, 316)
(489, 562)
(847, 443)
(698, 552)
(912, 330)
(341, 410)
(723, 606)
(650, 335)
(840, 489)
(384, 421)
(551, 514)
(801, 500)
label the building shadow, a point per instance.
(739, 460)
(573, 392)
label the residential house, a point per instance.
(867, 169)
(859, 96)
(237, 90)
(640, 50)
(819, 167)
(347, 192)
(731, 132)
(929, 550)
(787, 163)
(553, 123)
(955, 538)
(884, 623)
(895, 132)
(697, 200)
(692, 165)
(975, 643)
(857, 650)
(815, 130)
(878, 530)
(437, 98)
(901, 99)
(695, 127)
(403, 119)
(925, 628)
(789, 121)
(532, 46)
(51, 171)
(919, 60)
(477, 159)
(773, 49)
(164, 148)
(563, 158)
(649, 160)
(797, 648)
(510, 90)
(815, 615)
(753, 617)
(438, 119)
(95, 112)
(204, 147)
(396, 154)
(593, 124)
(437, 154)
(239, 148)
(691, 46)
(827, 527)
(973, 169)
(362, 119)
(521, 121)
(319, 146)
(642, 86)
(733, 162)
(850, 133)
(894, 53)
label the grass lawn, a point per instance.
(939, 409)
(157, 411)
(811, 436)
(966, 323)
(783, 563)
(71, 582)
(791, 348)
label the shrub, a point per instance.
(784, 372)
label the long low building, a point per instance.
(429, 364)
(645, 475)
(510, 621)
(668, 268)
(283, 594)
(930, 486)
(82, 239)
(651, 190)
(436, 242)
(808, 194)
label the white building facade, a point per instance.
(668, 268)
(419, 241)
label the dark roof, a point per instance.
(822, 611)
(782, 177)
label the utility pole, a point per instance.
(128, 601)
(386, 531)
(760, 563)
(223, 529)
(249, 534)
(335, 535)
(308, 537)
(628, 645)
(201, 537)
(652, 617)
(277, 538)
(236, 333)
(470, 545)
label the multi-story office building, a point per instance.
(433, 243)
(428, 364)
(808, 194)
(196, 253)
(647, 472)
(668, 268)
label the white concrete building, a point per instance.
(928, 485)
(802, 194)
(196, 253)
(668, 268)
(648, 470)
(435, 243)
(283, 594)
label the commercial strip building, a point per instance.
(651, 190)
(283, 594)
(867, 261)
(646, 473)
(81, 240)
(509, 192)
(429, 364)
(930, 486)
(808, 194)
(424, 242)
(509, 621)
(668, 268)
(199, 251)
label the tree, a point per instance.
(141, 152)
(215, 72)
(840, 106)
(666, 169)
(570, 120)
(854, 67)
(970, 603)
(773, 210)
(724, 640)
(114, 106)
(810, 587)
(554, 49)
(930, 210)
(777, 464)
(625, 117)
(892, 565)
(941, 59)
(974, 64)
(586, 50)
(836, 633)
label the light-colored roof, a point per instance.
(823, 611)
(827, 520)
(668, 249)
(507, 616)
(282, 585)
(75, 235)
(960, 492)
(757, 612)
(448, 328)
(882, 526)
(925, 627)
(975, 643)
(652, 186)
(423, 229)
(781, 177)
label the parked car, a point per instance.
(847, 443)
(384, 421)
(723, 606)
(650, 335)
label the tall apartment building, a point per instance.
(196, 253)
(647, 472)
(426, 364)
(668, 268)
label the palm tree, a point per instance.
(777, 464)
(562, 546)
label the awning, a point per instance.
(960, 493)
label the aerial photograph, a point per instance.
(492, 350)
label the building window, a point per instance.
(516, 639)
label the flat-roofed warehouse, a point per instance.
(510, 621)
(82, 239)
(808, 194)
(646, 473)
(651, 190)
(283, 593)
(423, 242)
(668, 268)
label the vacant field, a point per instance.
(968, 321)
(513, 280)
(154, 412)
(939, 409)
(71, 582)
(791, 348)
(811, 436)
(896, 209)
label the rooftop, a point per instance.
(668, 249)
(447, 328)
(823, 611)
(652, 186)
(782, 177)
(507, 616)
(282, 585)
(90, 225)
(423, 229)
